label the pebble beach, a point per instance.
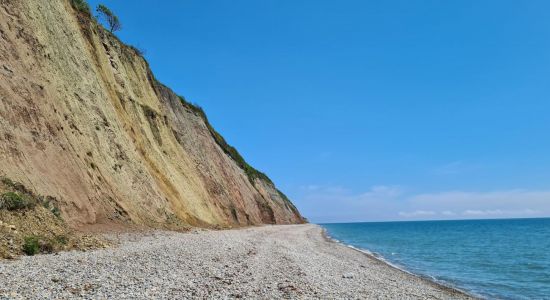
(268, 262)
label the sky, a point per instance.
(368, 110)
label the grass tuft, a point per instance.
(37, 244)
(6, 181)
(81, 6)
(31, 245)
(18, 197)
(15, 201)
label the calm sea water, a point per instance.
(496, 259)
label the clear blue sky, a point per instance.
(369, 110)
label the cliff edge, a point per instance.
(84, 121)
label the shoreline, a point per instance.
(370, 255)
(267, 262)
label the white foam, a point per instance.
(380, 258)
(374, 255)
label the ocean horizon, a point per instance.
(488, 258)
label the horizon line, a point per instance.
(436, 220)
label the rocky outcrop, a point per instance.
(83, 119)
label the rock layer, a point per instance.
(83, 119)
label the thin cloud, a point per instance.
(417, 213)
(500, 212)
(448, 213)
(386, 202)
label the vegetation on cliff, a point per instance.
(111, 143)
(111, 19)
(32, 224)
(115, 25)
(81, 6)
(250, 171)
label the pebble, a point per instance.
(268, 262)
(348, 275)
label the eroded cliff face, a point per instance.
(83, 119)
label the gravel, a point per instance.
(270, 262)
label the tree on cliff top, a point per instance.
(110, 17)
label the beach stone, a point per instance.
(289, 262)
(348, 276)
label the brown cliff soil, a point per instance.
(83, 119)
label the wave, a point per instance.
(379, 257)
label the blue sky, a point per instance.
(369, 110)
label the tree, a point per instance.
(110, 17)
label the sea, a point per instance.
(491, 259)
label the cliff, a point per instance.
(83, 120)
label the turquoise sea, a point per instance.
(493, 259)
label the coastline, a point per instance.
(370, 255)
(267, 262)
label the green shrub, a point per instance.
(37, 244)
(82, 6)
(14, 185)
(31, 245)
(56, 211)
(14, 201)
(50, 204)
(6, 181)
(137, 51)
